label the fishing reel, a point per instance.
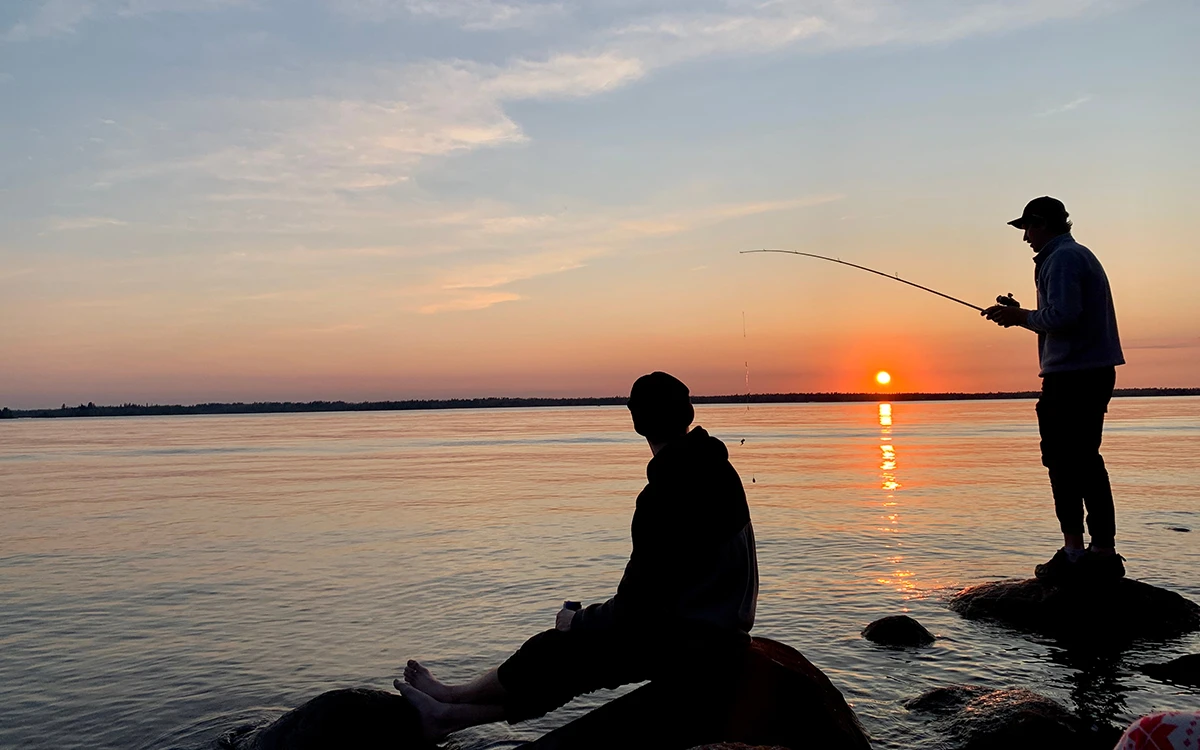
(1007, 301)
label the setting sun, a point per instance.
(883, 377)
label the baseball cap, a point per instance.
(1045, 209)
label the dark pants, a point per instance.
(1070, 419)
(555, 666)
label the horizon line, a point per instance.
(90, 409)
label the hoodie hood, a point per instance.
(683, 454)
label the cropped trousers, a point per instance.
(1071, 413)
(555, 666)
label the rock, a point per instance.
(944, 701)
(737, 746)
(353, 718)
(775, 697)
(975, 718)
(898, 631)
(1137, 610)
(1185, 670)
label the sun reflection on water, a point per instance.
(899, 578)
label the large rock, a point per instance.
(772, 697)
(898, 631)
(353, 718)
(775, 697)
(1109, 612)
(1185, 670)
(975, 718)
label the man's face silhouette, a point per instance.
(1037, 236)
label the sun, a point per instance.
(883, 377)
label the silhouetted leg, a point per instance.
(1101, 514)
(555, 666)
(485, 689)
(1055, 422)
(440, 719)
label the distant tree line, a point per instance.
(278, 407)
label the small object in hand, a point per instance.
(573, 606)
(1007, 301)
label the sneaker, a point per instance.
(1099, 566)
(1058, 568)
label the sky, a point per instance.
(239, 200)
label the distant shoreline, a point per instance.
(283, 407)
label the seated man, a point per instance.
(692, 580)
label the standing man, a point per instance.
(1079, 349)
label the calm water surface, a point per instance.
(163, 580)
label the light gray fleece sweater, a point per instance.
(1075, 320)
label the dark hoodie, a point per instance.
(694, 563)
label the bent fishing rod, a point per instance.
(1007, 301)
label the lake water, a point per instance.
(163, 580)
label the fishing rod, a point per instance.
(1007, 301)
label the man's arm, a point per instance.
(1063, 300)
(1063, 297)
(596, 616)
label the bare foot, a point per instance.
(417, 675)
(432, 712)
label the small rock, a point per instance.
(351, 718)
(979, 719)
(947, 700)
(738, 746)
(1185, 670)
(898, 631)
(1053, 609)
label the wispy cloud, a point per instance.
(554, 245)
(1177, 343)
(6, 275)
(76, 223)
(704, 216)
(59, 17)
(308, 148)
(474, 15)
(288, 148)
(1073, 104)
(478, 300)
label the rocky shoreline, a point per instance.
(779, 699)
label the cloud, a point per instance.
(381, 123)
(60, 17)
(518, 268)
(290, 148)
(84, 222)
(1179, 343)
(686, 221)
(755, 27)
(1066, 107)
(5, 275)
(471, 301)
(553, 245)
(473, 15)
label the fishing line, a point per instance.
(746, 360)
(893, 277)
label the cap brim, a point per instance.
(1019, 223)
